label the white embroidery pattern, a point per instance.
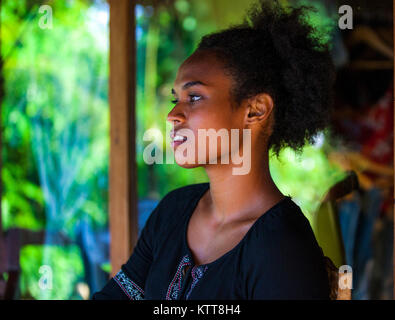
(131, 289)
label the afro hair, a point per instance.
(275, 50)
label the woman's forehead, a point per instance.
(201, 59)
(201, 67)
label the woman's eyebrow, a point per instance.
(189, 84)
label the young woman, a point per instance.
(238, 236)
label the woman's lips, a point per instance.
(177, 140)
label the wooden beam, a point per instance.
(122, 172)
(393, 254)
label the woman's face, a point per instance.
(202, 101)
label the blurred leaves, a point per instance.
(55, 130)
(66, 266)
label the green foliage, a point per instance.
(56, 100)
(106, 267)
(307, 177)
(55, 130)
(65, 264)
(322, 21)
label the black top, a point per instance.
(278, 258)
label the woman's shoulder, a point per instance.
(284, 254)
(285, 228)
(295, 225)
(283, 216)
(286, 234)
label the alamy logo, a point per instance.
(45, 21)
(345, 277)
(346, 20)
(45, 281)
(203, 148)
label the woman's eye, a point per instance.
(192, 96)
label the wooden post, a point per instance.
(393, 254)
(122, 175)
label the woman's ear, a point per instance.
(258, 109)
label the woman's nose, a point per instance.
(176, 115)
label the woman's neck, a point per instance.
(238, 197)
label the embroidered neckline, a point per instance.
(197, 272)
(174, 289)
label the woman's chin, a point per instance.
(187, 164)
